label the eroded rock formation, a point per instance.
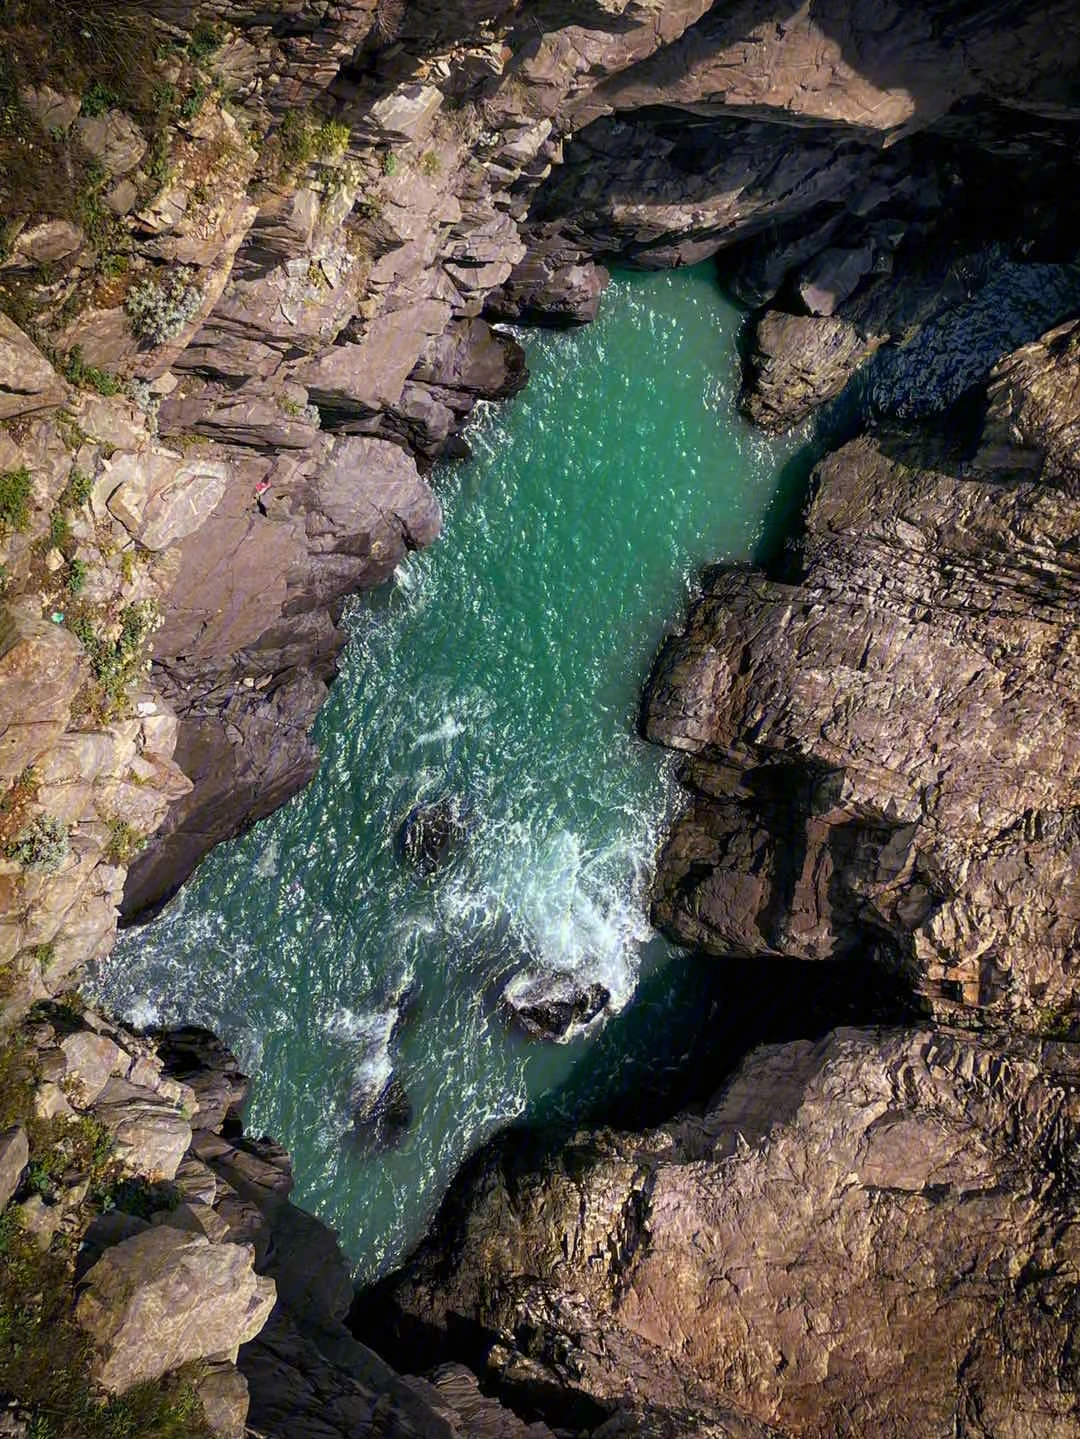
(247, 306)
(883, 745)
(875, 1234)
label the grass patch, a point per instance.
(78, 489)
(117, 663)
(89, 377)
(124, 842)
(15, 490)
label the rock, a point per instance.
(164, 1298)
(51, 109)
(90, 1060)
(877, 1191)
(160, 497)
(380, 1118)
(552, 285)
(833, 276)
(27, 381)
(208, 1067)
(353, 380)
(433, 833)
(223, 1394)
(554, 1007)
(407, 113)
(50, 242)
(112, 138)
(867, 773)
(41, 1218)
(796, 363)
(148, 1132)
(14, 1157)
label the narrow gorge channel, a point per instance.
(502, 667)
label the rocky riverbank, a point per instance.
(248, 269)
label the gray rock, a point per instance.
(874, 1194)
(27, 381)
(165, 1298)
(796, 363)
(149, 1133)
(112, 138)
(14, 1157)
(90, 1060)
(223, 1393)
(833, 276)
(407, 113)
(160, 497)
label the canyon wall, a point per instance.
(250, 266)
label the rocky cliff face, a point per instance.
(875, 1234)
(248, 268)
(882, 743)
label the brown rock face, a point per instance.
(883, 751)
(856, 1237)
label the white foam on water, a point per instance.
(143, 1014)
(367, 1033)
(448, 730)
(266, 866)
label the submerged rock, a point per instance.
(559, 1014)
(382, 1116)
(433, 832)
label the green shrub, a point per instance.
(430, 163)
(159, 309)
(15, 488)
(205, 39)
(124, 842)
(97, 99)
(76, 580)
(89, 377)
(331, 139)
(42, 846)
(78, 489)
(389, 163)
(118, 663)
(59, 529)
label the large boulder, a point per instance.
(164, 1298)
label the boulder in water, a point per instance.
(561, 1012)
(432, 833)
(381, 1116)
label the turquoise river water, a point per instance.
(503, 665)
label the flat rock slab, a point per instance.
(27, 381)
(14, 1157)
(161, 497)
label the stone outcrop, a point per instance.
(882, 749)
(164, 1298)
(855, 1236)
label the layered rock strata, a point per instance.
(882, 752)
(876, 1234)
